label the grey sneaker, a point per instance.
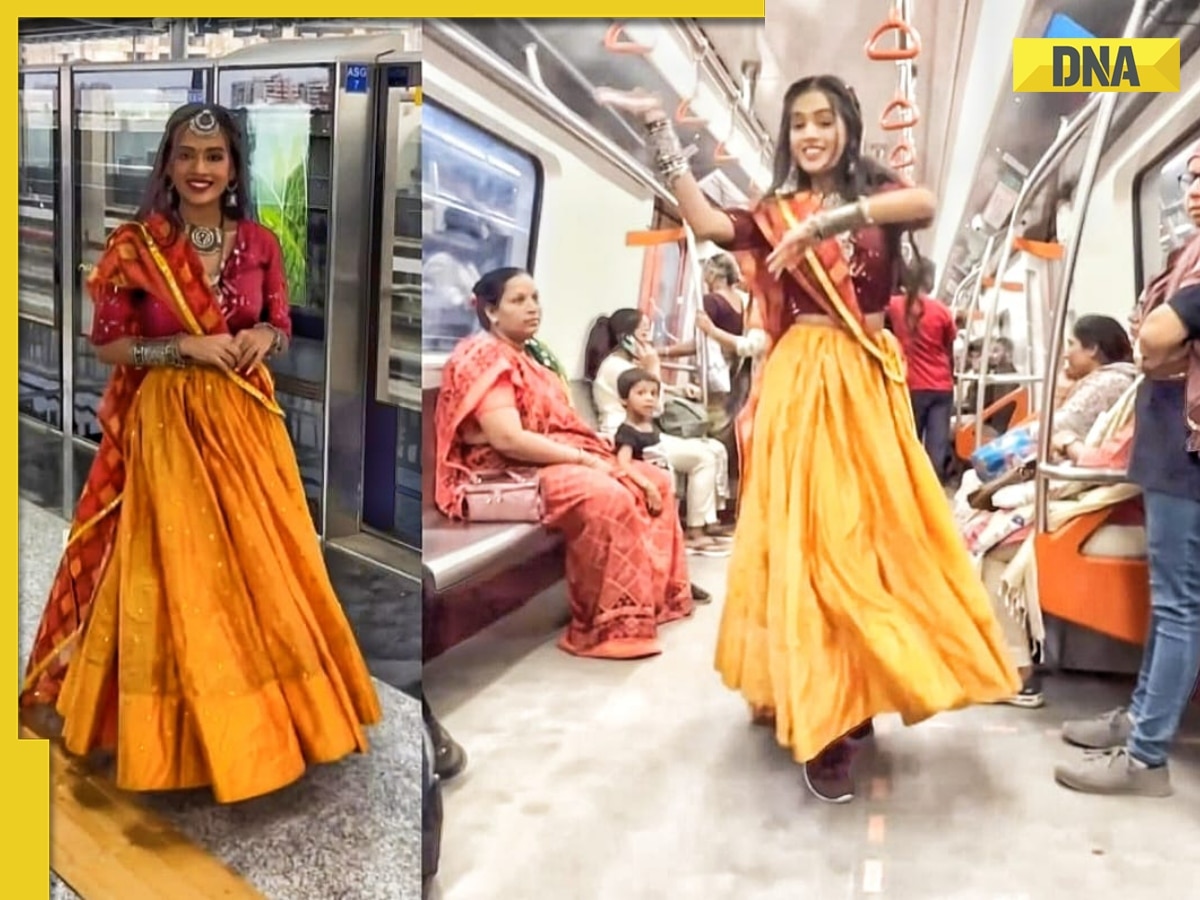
(1114, 772)
(1104, 732)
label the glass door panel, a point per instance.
(39, 294)
(287, 117)
(392, 452)
(119, 120)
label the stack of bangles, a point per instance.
(671, 161)
(166, 352)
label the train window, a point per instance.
(1165, 224)
(479, 204)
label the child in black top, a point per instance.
(639, 391)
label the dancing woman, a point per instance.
(192, 628)
(850, 591)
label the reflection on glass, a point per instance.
(399, 363)
(119, 121)
(1175, 226)
(479, 205)
(287, 117)
(39, 299)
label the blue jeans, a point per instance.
(1171, 660)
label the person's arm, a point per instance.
(1169, 327)
(504, 432)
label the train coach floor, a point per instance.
(348, 830)
(634, 781)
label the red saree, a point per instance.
(850, 592)
(191, 626)
(626, 569)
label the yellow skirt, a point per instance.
(216, 652)
(851, 593)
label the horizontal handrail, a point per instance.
(1051, 471)
(1002, 377)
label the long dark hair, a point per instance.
(606, 335)
(1106, 336)
(161, 196)
(854, 176)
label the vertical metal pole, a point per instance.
(67, 256)
(1083, 195)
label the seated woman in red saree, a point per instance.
(503, 405)
(192, 628)
(850, 591)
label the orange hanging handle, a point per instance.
(902, 156)
(721, 155)
(901, 113)
(616, 41)
(897, 53)
(685, 115)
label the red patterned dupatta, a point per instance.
(149, 258)
(824, 275)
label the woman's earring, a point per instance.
(231, 195)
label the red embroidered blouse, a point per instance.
(252, 280)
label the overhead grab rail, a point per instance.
(901, 114)
(617, 41)
(481, 58)
(908, 41)
(1106, 105)
(908, 118)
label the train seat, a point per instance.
(475, 573)
(1092, 572)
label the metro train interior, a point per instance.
(486, 144)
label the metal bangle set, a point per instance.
(157, 353)
(670, 158)
(842, 219)
(166, 352)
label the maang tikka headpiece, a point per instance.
(204, 123)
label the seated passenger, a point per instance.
(504, 404)
(1000, 362)
(618, 344)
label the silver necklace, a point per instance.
(205, 238)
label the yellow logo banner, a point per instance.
(1100, 65)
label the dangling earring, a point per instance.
(172, 195)
(231, 196)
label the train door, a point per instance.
(392, 447)
(333, 131)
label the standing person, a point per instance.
(192, 628)
(850, 591)
(927, 333)
(1165, 462)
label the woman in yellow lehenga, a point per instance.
(850, 591)
(192, 628)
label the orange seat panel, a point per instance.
(964, 436)
(1111, 596)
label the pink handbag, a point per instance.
(503, 496)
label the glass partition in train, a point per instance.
(480, 198)
(119, 117)
(39, 296)
(286, 114)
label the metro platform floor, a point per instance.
(348, 831)
(633, 781)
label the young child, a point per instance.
(639, 392)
